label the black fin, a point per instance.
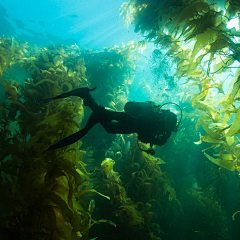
(45, 101)
(79, 92)
(69, 140)
(93, 119)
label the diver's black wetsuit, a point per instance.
(152, 125)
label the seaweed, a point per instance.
(196, 37)
(137, 191)
(203, 25)
(48, 191)
(42, 190)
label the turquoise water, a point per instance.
(94, 24)
(207, 195)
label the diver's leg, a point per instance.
(88, 100)
(118, 122)
(113, 122)
(118, 127)
(94, 118)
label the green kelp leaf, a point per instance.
(210, 132)
(91, 206)
(152, 158)
(78, 207)
(91, 191)
(33, 139)
(230, 140)
(160, 161)
(221, 42)
(234, 129)
(226, 117)
(75, 124)
(225, 156)
(197, 72)
(221, 162)
(236, 87)
(77, 177)
(54, 173)
(68, 85)
(46, 80)
(188, 28)
(205, 106)
(45, 56)
(189, 12)
(223, 65)
(126, 12)
(61, 191)
(48, 119)
(70, 194)
(107, 221)
(203, 40)
(65, 210)
(208, 139)
(205, 118)
(199, 96)
(57, 60)
(82, 174)
(10, 90)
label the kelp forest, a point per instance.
(103, 186)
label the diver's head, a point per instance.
(170, 120)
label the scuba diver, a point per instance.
(152, 124)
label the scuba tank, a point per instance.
(143, 110)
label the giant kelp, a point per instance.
(11, 52)
(111, 69)
(205, 205)
(214, 47)
(46, 189)
(141, 194)
(41, 191)
(195, 35)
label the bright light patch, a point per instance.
(213, 94)
(233, 23)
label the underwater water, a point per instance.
(165, 171)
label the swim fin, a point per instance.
(79, 92)
(94, 118)
(69, 140)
